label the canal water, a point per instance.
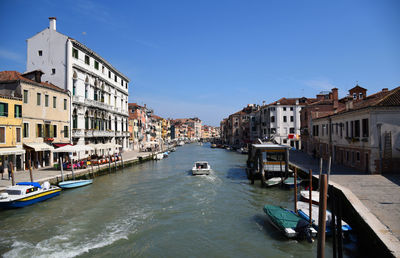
(157, 209)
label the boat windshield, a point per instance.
(13, 192)
(201, 165)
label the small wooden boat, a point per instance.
(289, 182)
(288, 222)
(305, 196)
(304, 212)
(273, 181)
(27, 193)
(201, 168)
(74, 183)
(159, 156)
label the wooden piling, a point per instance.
(339, 228)
(310, 196)
(261, 167)
(12, 173)
(115, 164)
(329, 167)
(72, 168)
(333, 224)
(322, 216)
(320, 168)
(60, 160)
(109, 164)
(295, 190)
(122, 160)
(30, 170)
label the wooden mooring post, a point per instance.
(295, 190)
(30, 170)
(310, 196)
(122, 160)
(109, 164)
(12, 173)
(115, 164)
(323, 183)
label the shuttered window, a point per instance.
(17, 111)
(3, 109)
(2, 134)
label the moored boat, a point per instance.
(304, 212)
(74, 183)
(305, 196)
(201, 168)
(289, 223)
(27, 193)
(289, 182)
(273, 181)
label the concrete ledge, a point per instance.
(382, 237)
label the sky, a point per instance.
(210, 58)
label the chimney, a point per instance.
(52, 23)
(335, 98)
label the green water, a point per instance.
(157, 209)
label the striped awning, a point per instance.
(11, 151)
(39, 146)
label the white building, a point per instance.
(99, 91)
(280, 121)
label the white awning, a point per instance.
(73, 148)
(40, 146)
(11, 151)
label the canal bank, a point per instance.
(53, 176)
(370, 203)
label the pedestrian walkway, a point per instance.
(43, 174)
(379, 193)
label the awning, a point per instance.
(73, 148)
(11, 151)
(58, 145)
(39, 146)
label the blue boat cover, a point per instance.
(35, 184)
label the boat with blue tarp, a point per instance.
(27, 193)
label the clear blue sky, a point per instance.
(210, 58)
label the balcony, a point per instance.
(78, 133)
(99, 133)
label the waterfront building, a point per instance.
(280, 121)
(45, 112)
(99, 91)
(10, 124)
(363, 134)
(138, 123)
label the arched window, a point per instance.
(74, 119)
(74, 82)
(109, 123)
(86, 120)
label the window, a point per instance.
(18, 134)
(54, 131)
(284, 108)
(122, 82)
(87, 60)
(2, 134)
(360, 96)
(54, 102)
(291, 108)
(291, 130)
(272, 119)
(96, 65)
(284, 119)
(75, 53)
(3, 109)
(354, 95)
(291, 119)
(39, 130)
(17, 111)
(109, 74)
(53, 71)
(347, 129)
(323, 130)
(74, 88)
(357, 128)
(65, 104)
(358, 156)
(25, 96)
(365, 128)
(284, 140)
(40, 52)
(95, 94)
(38, 97)
(66, 131)
(102, 68)
(26, 130)
(46, 100)
(115, 78)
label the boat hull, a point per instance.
(197, 172)
(30, 200)
(74, 183)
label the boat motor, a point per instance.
(303, 230)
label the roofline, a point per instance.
(81, 45)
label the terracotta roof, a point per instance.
(357, 87)
(9, 76)
(156, 117)
(391, 99)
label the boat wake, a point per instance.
(71, 243)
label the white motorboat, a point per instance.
(201, 168)
(27, 193)
(159, 156)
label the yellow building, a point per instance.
(11, 129)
